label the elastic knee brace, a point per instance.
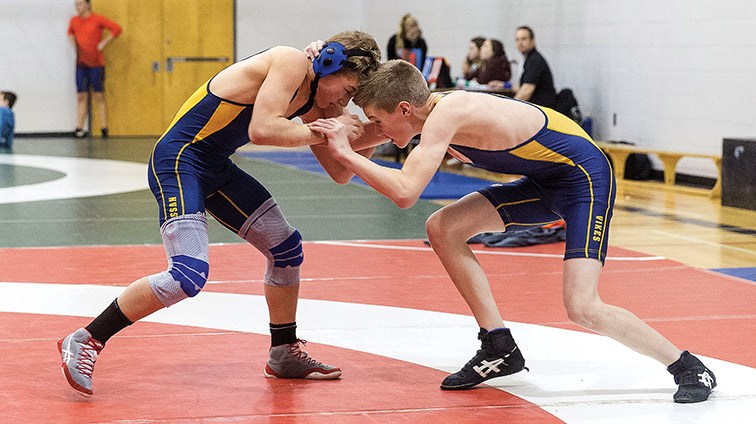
(186, 245)
(270, 233)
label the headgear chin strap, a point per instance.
(333, 58)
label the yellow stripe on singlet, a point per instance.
(235, 206)
(537, 151)
(518, 202)
(223, 115)
(606, 212)
(555, 122)
(188, 104)
(589, 228)
(560, 123)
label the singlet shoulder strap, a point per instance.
(440, 95)
(310, 101)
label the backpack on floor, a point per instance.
(567, 105)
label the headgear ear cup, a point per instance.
(333, 58)
(328, 60)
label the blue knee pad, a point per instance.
(289, 252)
(185, 277)
(270, 233)
(284, 260)
(186, 246)
(190, 273)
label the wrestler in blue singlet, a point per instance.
(190, 169)
(567, 176)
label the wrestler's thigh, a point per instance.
(520, 204)
(239, 198)
(468, 216)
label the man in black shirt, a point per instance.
(536, 82)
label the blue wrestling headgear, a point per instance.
(333, 58)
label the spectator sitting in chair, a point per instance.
(408, 42)
(495, 69)
(472, 61)
(7, 120)
(536, 81)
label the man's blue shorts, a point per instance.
(87, 78)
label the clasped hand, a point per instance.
(336, 132)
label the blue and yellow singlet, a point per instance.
(566, 176)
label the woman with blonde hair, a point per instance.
(408, 42)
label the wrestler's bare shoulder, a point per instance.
(241, 81)
(480, 104)
(261, 62)
(487, 121)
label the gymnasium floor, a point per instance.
(77, 224)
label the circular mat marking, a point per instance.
(82, 178)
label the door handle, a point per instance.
(170, 60)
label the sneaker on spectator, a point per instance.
(79, 133)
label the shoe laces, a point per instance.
(482, 353)
(475, 359)
(692, 377)
(300, 354)
(88, 356)
(687, 378)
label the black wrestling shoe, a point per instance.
(695, 381)
(497, 357)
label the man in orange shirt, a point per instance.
(85, 32)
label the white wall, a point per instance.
(37, 63)
(679, 75)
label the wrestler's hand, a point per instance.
(353, 125)
(336, 133)
(313, 50)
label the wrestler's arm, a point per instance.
(269, 125)
(364, 145)
(402, 186)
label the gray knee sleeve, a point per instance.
(270, 233)
(186, 245)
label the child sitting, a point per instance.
(7, 120)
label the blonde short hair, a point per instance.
(394, 81)
(360, 65)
